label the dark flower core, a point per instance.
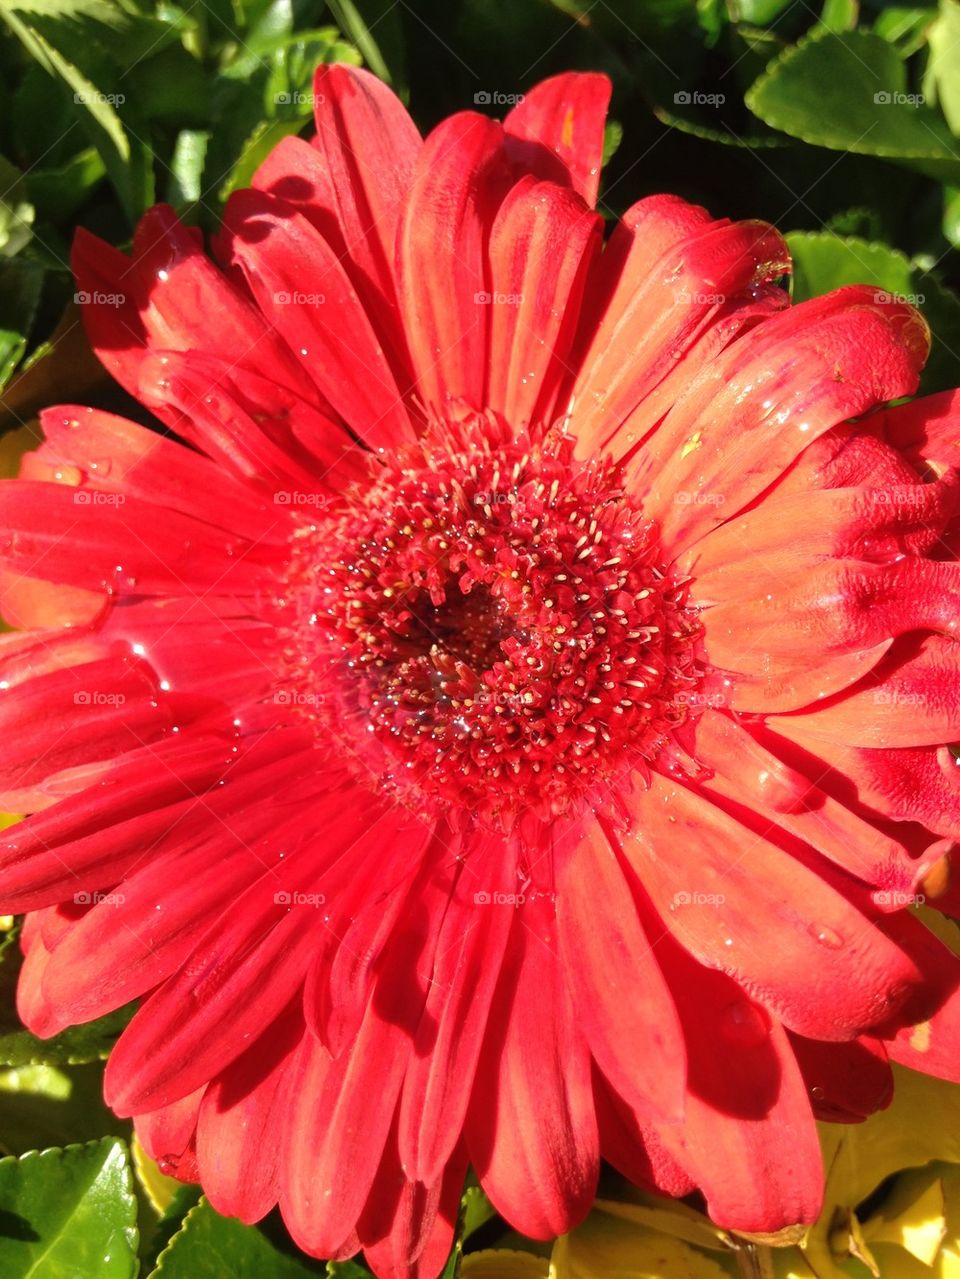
(492, 611)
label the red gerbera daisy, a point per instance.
(503, 721)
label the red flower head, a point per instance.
(503, 720)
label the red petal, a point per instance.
(532, 1130)
(240, 1115)
(847, 1082)
(746, 417)
(438, 1084)
(748, 1138)
(744, 770)
(543, 243)
(441, 255)
(620, 997)
(298, 281)
(118, 457)
(556, 131)
(911, 699)
(118, 548)
(788, 937)
(652, 320)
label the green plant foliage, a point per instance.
(69, 1213)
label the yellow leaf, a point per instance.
(606, 1246)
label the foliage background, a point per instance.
(835, 120)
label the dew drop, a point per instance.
(826, 936)
(744, 1023)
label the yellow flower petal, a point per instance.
(504, 1265)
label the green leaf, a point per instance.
(60, 45)
(951, 215)
(69, 1214)
(375, 27)
(16, 211)
(612, 137)
(58, 192)
(208, 1246)
(186, 166)
(256, 149)
(293, 61)
(905, 27)
(822, 261)
(839, 15)
(849, 93)
(21, 283)
(941, 83)
(76, 1045)
(44, 1106)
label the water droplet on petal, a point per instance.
(826, 936)
(744, 1023)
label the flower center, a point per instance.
(492, 614)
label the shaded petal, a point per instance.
(298, 281)
(911, 699)
(650, 321)
(744, 419)
(556, 131)
(742, 905)
(532, 1129)
(619, 993)
(441, 258)
(240, 1114)
(542, 245)
(748, 1137)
